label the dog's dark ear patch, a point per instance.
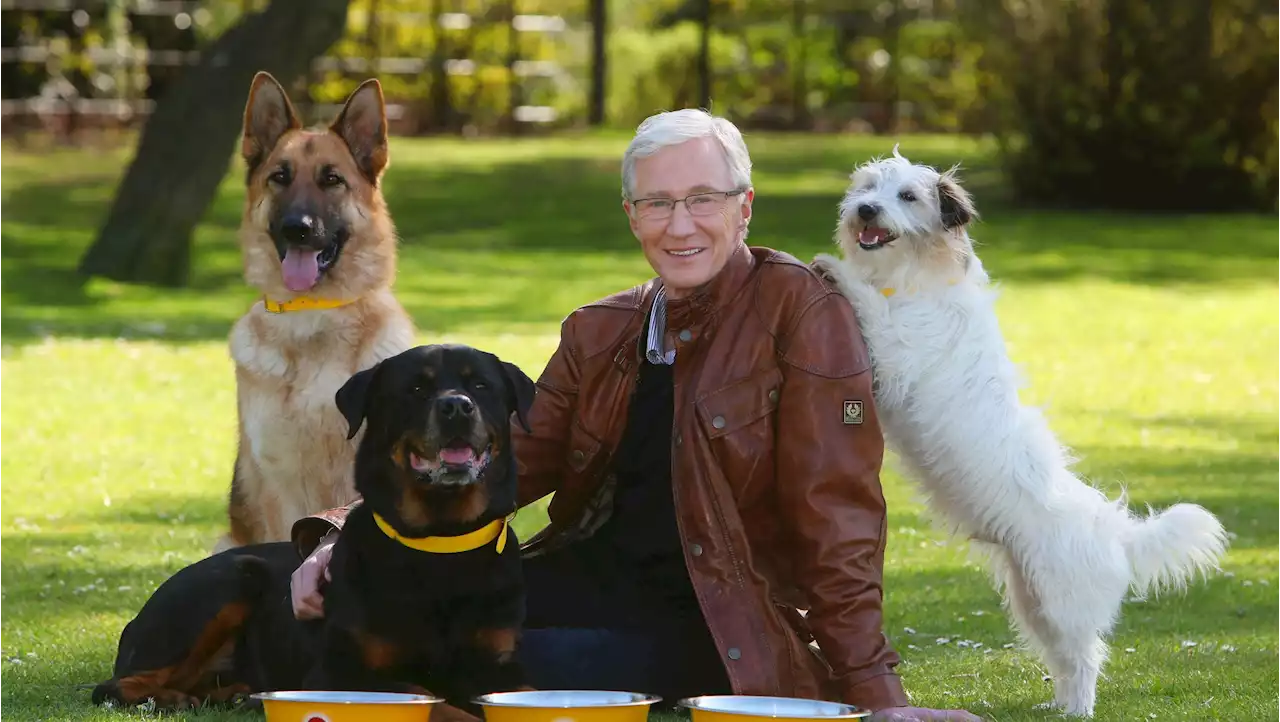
(353, 398)
(362, 125)
(268, 115)
(954, 203)
(520, 392)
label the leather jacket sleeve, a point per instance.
(540, 452)
(308, 531)
(829, 454)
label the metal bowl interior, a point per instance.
(339, 697)
(565, 699)
(777, 707)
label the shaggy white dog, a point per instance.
(947, 395)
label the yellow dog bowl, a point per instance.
(566, 706)
(742, 708)
(346, 706)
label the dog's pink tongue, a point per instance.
(868, 236)
(301, 268)
(457, 455)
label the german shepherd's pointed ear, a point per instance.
(520, 392)
(954, 204)
(267, 116)
(353, 398)
(362, 124)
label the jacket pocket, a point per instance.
(739, 404)
(737, 421)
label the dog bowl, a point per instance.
(566, 706)
(747, 708)
(346, 706)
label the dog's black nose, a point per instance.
(299, 227)
(455, 406)
(867, 211)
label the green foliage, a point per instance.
(1152, 348)
(1126, 103)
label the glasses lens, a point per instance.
(659, 208)
(705, 204)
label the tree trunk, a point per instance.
(704, 58)
(187, 144)
(598, 62)
(893, 75)
(799, 66)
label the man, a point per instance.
(713, 448)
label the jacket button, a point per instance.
(695, 549)
(773, 395)
(578, 455)
(679, 438)
(718, 422)
(686, 335)
(735, 653)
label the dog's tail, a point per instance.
(1167, 549)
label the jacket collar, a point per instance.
(696, 309)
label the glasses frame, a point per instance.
(685, 202)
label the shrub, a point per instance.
(1133, 104)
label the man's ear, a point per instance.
(520, 392)
(362, 124)
(353, 397)
(268, 115)
(954, 204)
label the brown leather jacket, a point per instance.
(775, 468)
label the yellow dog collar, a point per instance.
(496, 529)
(887, 292)
(304, 303)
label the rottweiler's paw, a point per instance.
(171, 699)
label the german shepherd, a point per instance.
(317, 240)
(427, 588)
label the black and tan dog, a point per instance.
(426, 591)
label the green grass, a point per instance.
(1150, 340)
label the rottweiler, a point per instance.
(426, 592)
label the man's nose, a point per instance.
(681, 223)
(867, 211)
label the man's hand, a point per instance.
(304, 585)
(919, 714)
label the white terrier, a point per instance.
(947, 396)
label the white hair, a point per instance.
(677, 126)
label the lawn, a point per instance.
(1151, 341)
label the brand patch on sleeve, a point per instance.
(853, 412)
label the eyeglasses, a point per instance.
(698, 204)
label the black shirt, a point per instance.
(642, 536)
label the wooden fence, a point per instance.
(126, 78)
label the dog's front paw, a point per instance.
(829, 267)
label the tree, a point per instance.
(1136, 105)
(188, 143)
(599, 55)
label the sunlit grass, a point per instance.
(1151, 342)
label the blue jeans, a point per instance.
(586, 630)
